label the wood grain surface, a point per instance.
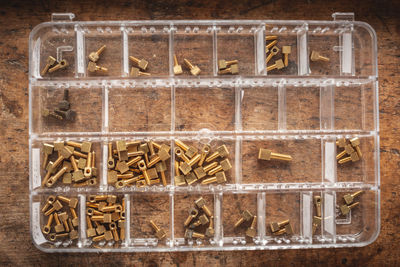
(17, 18)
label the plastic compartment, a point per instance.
(300, 110)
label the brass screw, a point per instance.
(72, 202)
(49, 62)
(222, 151)
(201, 204)
(273, 52)
(349, 198)
(286, 50)
(141, 63)
(316, 56)
(224, 165)
(194, 70)
(94, 56)
(135, 72)
(223, 64)
(245, 216)
(278, 65)
(252, 231)
(177, 67)
(355, 142)
(266, 154)
(219, 178)
(160, 233)
(93, 67)
(276, 226)
(233, 69)
(61, 65)
(192, 214)
(345, 209)
(47, 227)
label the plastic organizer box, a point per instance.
(300, 110)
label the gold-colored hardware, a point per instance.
(189, 234)
(72, 202)
(316, 223)
(210, 166)
(222, 151)
(48, 150)
(271, 37)
(47, 227)
(192, 214)
(204, 152)
(143, 169)
(110, 160)
(59, 227)
(141, 63)
(278, 65)
(121, 225)
(81, 163)
(88, 169)
(66, 152)
(244, 217)
(160, 233)
(53, 179)
(161, 167)
(49, 201)
(135, 72)
(223, 64)
(273, 52)
(177, 67)
(342, 142)
(355, 142)
(286, 50)
(194, 70)
(252, 231)
(224, 165)
(349, 198)
(94, 56)
(353, 157)
(98, 238)
(179, 179)
(93, 67)
(266, 154)
(210, 229)
(49, 62)
(190, 178)
(100, 229)
(75, 220)
(348, 149)
(186, 167)
(162, 155)
(345, 209)
(201, 204)
(56, 206)
(63, 216)
(316, 56)
(271, 44)
(200, 173)
(77, 175)
(317, 203)
(46, 113)
(219, 178)
(73, 234)
(113, 228)
(60, 65)
(233, 69)
(276, 226)
(108, 235)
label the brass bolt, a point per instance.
(223, 64)
(222, 151)
(252, 231)
(194, 70)
(60, 65)
(201, 204)
(244, 217)
(278, 65)
(177, 67)
(94, 56)
(160, 233)
(47, 227)
(72, 202)
(49, 62)
(266, 154)
(349, 198)
(141, 63)
(276, 226)
(315, 56)
(219, 178)
(286, 50)
(345, 209)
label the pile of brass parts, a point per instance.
(137, 163)
(228, 67)
(93, 58)
(73, 161)
(272, 50)
(52, 65)
(349, 202)
(247, 217)
(63, 112)
(281, 228)
(105, 218)
(190, 168)
(62, 218)
(351, 148)
(199, 217)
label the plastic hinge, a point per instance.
(343, 16)
(62, 16)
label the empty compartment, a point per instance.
(138, 163)
(56, 55)
(198, 108)
(105, 220)
(139, 109)
(55, 220)
(194, 43)
(354, 106)
(303, 167)
(360, 224)
(259, 108)
(149, 44)
(51, 115)
(237, 42)
(238, 211)
(145, 210)
(303, 108)
(197, 218)
(53, 168)
(355, 168)
(283, 40)
(363, 37)
(209, 162)
(110, 57)
(324, 51)
(283, 217)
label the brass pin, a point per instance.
(194, 70)
(266, 154)
(286, 50)
(316, 56)
(90, 232)
(113, 228)
(179, 179)
(203, 220)
(88, 169)
(135, 72)
(345, 209)
(49, 201)
(77, 175)
(160, 233)
(53, 179)
(72, 202)
(278, 65)
(75, 220)
(272, 53)
(287, 230)
(85, 147)
(204, 152)
(190, 151)
(56, 206)
(186, 167)
(349, 198)
(233, 69)
(252, 231)
(94, 56)
(141, 63)
(177, 67)
(223, 64)
(92, 67)
(189, 234)
(162, 155)
(61, 65)
(192, 214)
(342, 142)
(245, 217)
(161, 167)
(49, 62)
(143, 169)
(110, 160)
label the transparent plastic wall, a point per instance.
(299, 110)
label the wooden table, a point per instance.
(17, 20)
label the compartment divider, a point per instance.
(125, 52)
(327, 106)
(306, 199)
(171, 218)
(261, 223)
(105, 117)
(302, 50)
(80, 70)
(127, 242)
(215, 52)
(219, 235)
(171, 50)
(281, 106)
(260, 68)
(82, 220)
(328, 226)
